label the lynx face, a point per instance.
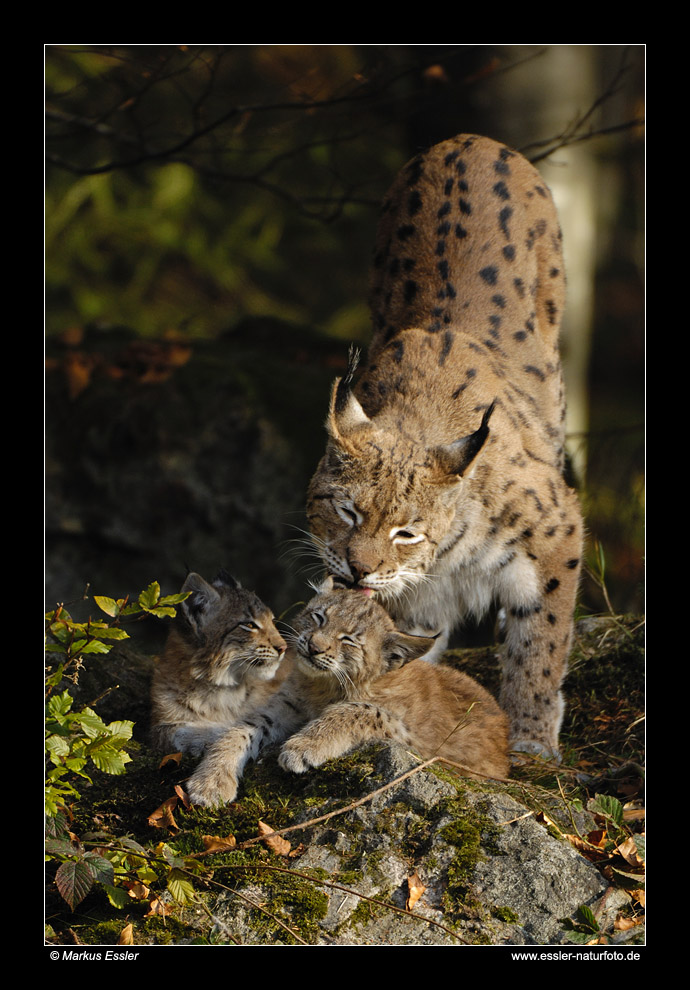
(344, 639)
(387, 543)
(231, 631)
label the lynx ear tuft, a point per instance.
(345, 413)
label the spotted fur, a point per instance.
(354, 679)
(441, 488)
(220, 661)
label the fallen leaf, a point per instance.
(126, 936)
(415, 889)
(163, 817)
(589, 850)
(638, 895)
(280, 846)
(138, 891)
(158, 908)
(622, 924)
(215, 843)
(628, 850)
(170, 758)
(183, 796)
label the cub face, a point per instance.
(231, 630)
(344, 638)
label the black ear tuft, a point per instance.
(342, 393)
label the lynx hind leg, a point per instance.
(341, 728)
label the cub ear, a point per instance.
(399, 648)
(324, 586)
(202, 602)
(224, 579)
(455, 458)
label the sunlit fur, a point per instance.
(441, 488)
(355, 679)
(220, 661)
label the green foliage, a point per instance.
(77, 740)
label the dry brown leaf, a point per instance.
(215, 843)
(415, 889)
(183, 796)
(126, 936)
(297, 851)
(280, 846)
(587, 849)
(633, 814)
(622, 924)
(170, 758)
(628, 850)
(157, 907)
(638, 895)
(163, 817)
(138, 891)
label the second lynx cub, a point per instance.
(355, 679)
(220, 662)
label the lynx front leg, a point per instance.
(535, 659)
(216, 779)
(341, 728)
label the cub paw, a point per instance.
(295, 759)
(210, 788)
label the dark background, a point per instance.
(210, 217)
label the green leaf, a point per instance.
(180, 888)
(91, 724)
(110, 761)
(605, 804)
(585, 916)
(74, 879)
(102, 870)
(175, 599)
(149, 598)
(109, 632)
(118, 896)
(60, 704)
(107, 605)
(162, 612)
(95, 646)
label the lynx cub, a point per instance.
(220, 660)
(441, 488)
(355, 679)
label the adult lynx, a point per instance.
(441, 488)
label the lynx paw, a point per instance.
(210, 787)
(533, 748)
(296, 758)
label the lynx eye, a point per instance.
(250, 626)
(348, 513)
(406, 536)
(319, 618)
(349, 641)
